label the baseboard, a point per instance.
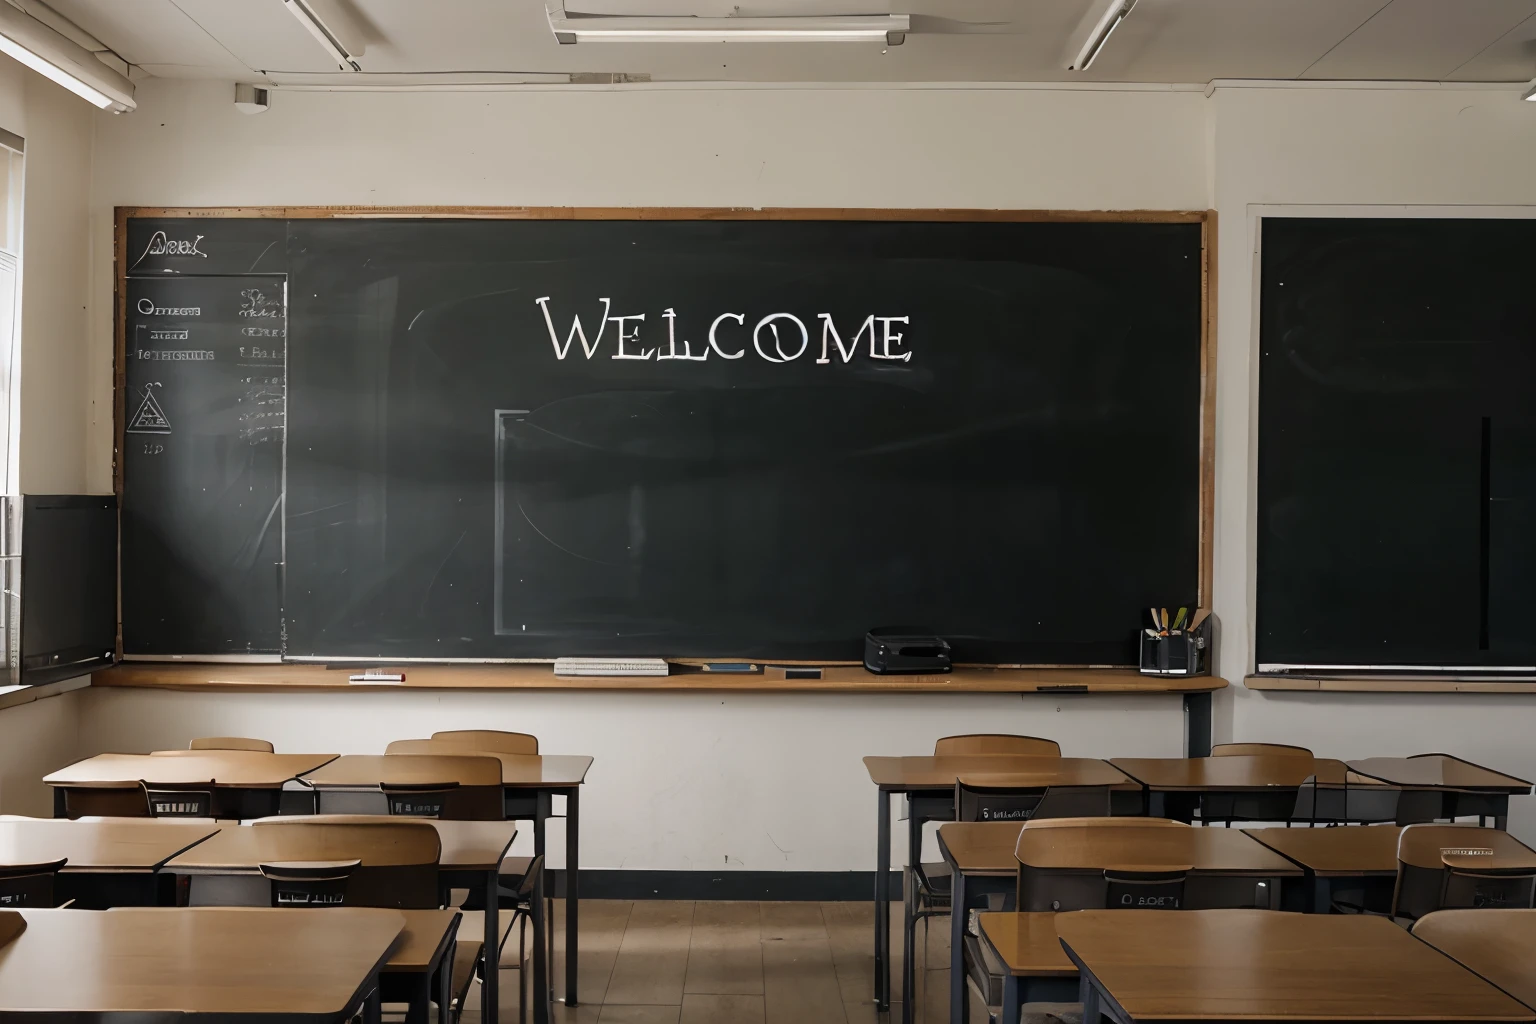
(828, 886)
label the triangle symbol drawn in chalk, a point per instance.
(150, 419)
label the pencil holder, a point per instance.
(1180, 653)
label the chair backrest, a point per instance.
(1038, 823)
(313, 883)
(229, 743)
(474, 792)
(975, 801)
(28, 885)
(397, 860)
(996, 743)
(105, 801)
(1258, 750)
(490, 739)
(193, 801)
(1132, 889)
(1459, 866)
(1073, 802)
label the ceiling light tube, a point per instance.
(890, 30)
(323, 35)
(62, 60)
(1113, 16)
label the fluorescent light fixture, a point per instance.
(62, 60)
(323, 35)
(888, 29)
(1114, 14)
(1530, 91)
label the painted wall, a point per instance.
(1422, 150)
(691, 780)
(38, 737)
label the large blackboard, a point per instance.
(1397, 443)
(997, 437)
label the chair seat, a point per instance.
(934, 879)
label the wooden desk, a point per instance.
(981, 864)
(928, 784)
(1030, 950)
(1265, 965)
(530, 783)
(257, 775)
(472, 852)
(1495, 945)
(1351, 851)
(1176, 785)
(1467, 788)
(272, 966)
(132, 850)
(424, 948)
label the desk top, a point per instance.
(241, 849)
(117, 846)
(242, 769)
(1346, 851)
(981, 847)
(903, 774)
(1027, 944)
(1230, 774)
(420, 940)
(1269, 965)
(1097, 847)
(1463, 846)
(530, 771)
(1439, 771)
(466, 845)
(203, 960)
(1496, 945)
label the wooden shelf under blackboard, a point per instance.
(835, 679)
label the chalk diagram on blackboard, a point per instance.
(150, 418)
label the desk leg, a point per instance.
(490, 982)
(1089, 997)
(445, 986)
(541, 970)
(572, 890)
(420, 1008)
(1013, 1004)
(883, 903)
(959, 1004)
(1197, 724)
(909, 907)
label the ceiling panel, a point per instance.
(153, 32)
(1168, 40)
(1511, 58)
(1422, 40)
(1173, 41)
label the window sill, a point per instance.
(13, 696)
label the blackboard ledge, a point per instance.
(291, 677)
(1388, 684)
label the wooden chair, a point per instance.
(490, 739)
(996, 743)
(28, 885)
(524, 874)
(1444, 867)
(404, 878)
(229, 743)
(475, 795)
(1259, 750)
(1126, 888)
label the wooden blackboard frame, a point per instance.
(1205, 218)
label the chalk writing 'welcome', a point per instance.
(776, 338)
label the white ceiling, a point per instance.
(1175, 41)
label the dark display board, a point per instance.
(1397, 443)
(765, 437)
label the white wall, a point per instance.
(1418, 149)
(689, 780)
(37, 737)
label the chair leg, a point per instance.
(522, 967)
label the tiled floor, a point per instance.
(665, 962)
